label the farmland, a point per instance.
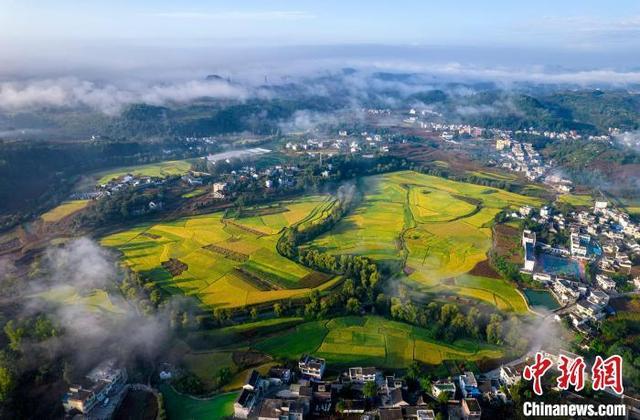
(438, 229)
(63, 210)
(371, 340)
(159, 169)
(578, 200)
(223, 261)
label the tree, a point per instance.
(224, 376)
(14, 334)
(7, 377)
(494, 329)
(425, 384)
(414, 371)
(370, 389)
(353, 306)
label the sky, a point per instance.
(181, 39)
(580, 24)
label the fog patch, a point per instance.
(109, 98)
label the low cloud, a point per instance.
(108, 98)
(629, 139)
(94, 333)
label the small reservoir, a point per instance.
(541, 298)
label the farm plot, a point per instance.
(371, 340)
(158, 169)
(373, 228)
(222, 262)
(63, 210)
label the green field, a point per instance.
(578, 200)
(97, 301)
(63, 210)
(371, 340)
(223, 262)
(158, 169)
(180, 407)
(437, 228)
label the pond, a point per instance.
(559, 266)
(182, 407)
(541, 298)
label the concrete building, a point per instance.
(311, 367)
(529, 244)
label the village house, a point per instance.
(311, 367)
(279, 409)
(417, 412)
(468, 385)
(511, 374)
(605, 282)
(255, 383)
(103, 380)
(361, 375)
(219, 189)
(244, 404)
(443, 386)
(471, 409)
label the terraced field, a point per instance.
(224, 262)
(371, 340)
(436, 228)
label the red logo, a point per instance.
(536, 371)
(605, 373)
(608, 373)
(571, 373)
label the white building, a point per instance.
(312, 367)
(362, 374)
(529, 243)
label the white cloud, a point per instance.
(108, 98)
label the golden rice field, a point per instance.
(63, 210)
(230, 262)
(437, 228)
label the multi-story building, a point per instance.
(311, 367)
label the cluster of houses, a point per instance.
(522, 157)
(601, 235)
(560, 135)
(345, 143)
(449, 132)
(304, 393)
(104, 381)
(127, 181)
